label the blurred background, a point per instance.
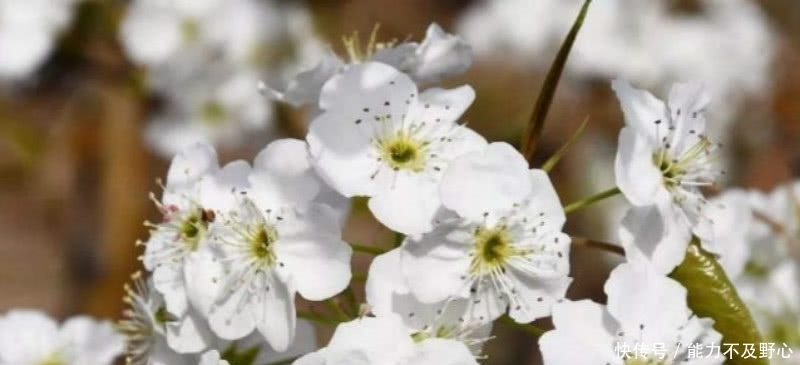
(96, 95)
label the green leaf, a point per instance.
(536, 123)
(712, 295)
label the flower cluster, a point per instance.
(205, 58)
(479, 233)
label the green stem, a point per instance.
(553, 160)
(372, 250)
(527, 328)
(585, 202)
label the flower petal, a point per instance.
(441, 54)
(95, 342)
(636, 175)
(580, 324)
(651, 234)
(383, 282)
(436, 264)
(316, 245)
(228, 319)
(641, 109)
(489, 181)
(649, 306)
(189, 165)
(407, 206)
(440, 351)
(275, 315)
(168, 280)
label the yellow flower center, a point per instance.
(492, 249)
(261, 244)
(402, 152)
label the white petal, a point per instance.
(168, 280)
(732, 219)
(305, 341)
(305, 88)
(686, 103)
(222, 190)
(377, 339)
(283, 169)
(583, 325)
(651, 234)
(441, 54)
(383, 282)
(537, 297)
(189, 165)
(203, 273)
(27, 336)
(543, 200)
(369, 85)
(491, 181)
(439, 351)
(636, 174)
(650, 306)
(641, 109)
(275, 316)
(438, 105)
(407, 206)
(435, 264)
(340, 153)
(96, 342)
(189, 334)
(317, 245)
(230, 319)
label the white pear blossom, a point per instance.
(644, 308)
(663, 160)
(28, 33)
(30, 337)
(380, 137)
(439, 55)
(385, 341)
(268, 245)
(183, 230)
(503, 248)
(388, 295)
